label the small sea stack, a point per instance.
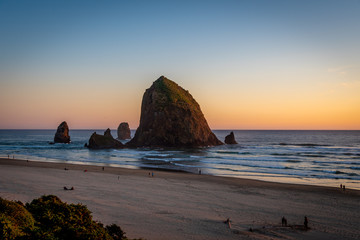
(62, 134)
(170, 117)
(230, 139)
(105, 141)
(123, 131)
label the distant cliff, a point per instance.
(170, 117)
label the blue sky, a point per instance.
(221, 51)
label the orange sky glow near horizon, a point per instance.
(275, 65)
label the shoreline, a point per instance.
(237, 181)
(177, 205)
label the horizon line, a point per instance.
(221, 129)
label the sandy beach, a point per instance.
(174, 205)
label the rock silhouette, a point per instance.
(230, 139)
(105, 141)
(123, 131)
(62, 134)
(170, 117)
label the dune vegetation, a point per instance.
(51, 219)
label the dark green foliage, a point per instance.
(49, 218)
(64, 221)
(15, 220)
(174, 95)
(115, 232)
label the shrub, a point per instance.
(64, 221)
(15, 220)
(48, 218)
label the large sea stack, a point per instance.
(105, 141)
(62, 134)
(123, 131)
(170, 117)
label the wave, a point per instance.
(337, 162)
(282, 154)
(304, 144)
(248, 165)
(292, 161)
(233, 152)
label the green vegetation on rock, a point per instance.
(171, 117)
(174, 94)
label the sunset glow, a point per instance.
(249, 64)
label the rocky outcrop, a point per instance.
(105, 141)
(123, 131)
(230, 139)
(170, 117)
(62, 134)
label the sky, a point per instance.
(249, 64)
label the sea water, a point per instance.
(327, 158)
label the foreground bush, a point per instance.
(49, 218)
(15, 220)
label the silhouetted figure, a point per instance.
(343, 187)
(283, 222)
(199, 171)
(65, 188)
(340, 186)
(228, 222)
(306, 222)
(8, 156)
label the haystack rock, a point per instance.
(230, 139)
(105, 141)
(62, 134)
(123, 131)
(170, 117)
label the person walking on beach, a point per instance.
(306, 222)
(283, 222)
(228, 222)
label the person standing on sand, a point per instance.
(306, 222)
(228, 222)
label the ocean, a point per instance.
(325, 158)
